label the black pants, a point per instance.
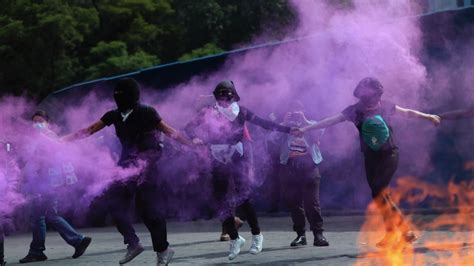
(148, 195)
(274, 183)
(380, 166)
(302, 179)
(231, 191)
(120, 203)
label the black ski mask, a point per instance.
(225, 91)
(369, 91)
(126, 94)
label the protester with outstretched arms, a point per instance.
(299, 158)
(221, 127)
(138, 128)
(371, 116)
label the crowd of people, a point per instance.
(219, 135)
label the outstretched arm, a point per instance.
(417, 114)
(266, 124)
(458, 114)
(173, 133)
(86, 132)
(327, 122)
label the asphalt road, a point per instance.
(196, 243)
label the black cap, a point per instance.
(226, 89)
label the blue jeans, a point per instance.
(44, 210)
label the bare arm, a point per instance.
(327, 122)
(84, 133)
(417, 114)
(173, 133)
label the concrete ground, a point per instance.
(196, 244)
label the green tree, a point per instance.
(208, 49)
(139, 23)
(48, 44)
(113, 58)
(39, 41)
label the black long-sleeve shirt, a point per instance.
(214, 128)
(458, 114)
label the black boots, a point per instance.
(320, 240)
(299, 241)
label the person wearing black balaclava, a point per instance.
(222, 127)
(138, 128)
(371, 116)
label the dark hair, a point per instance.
(41, 113)
(368, 86)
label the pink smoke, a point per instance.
(336, 48)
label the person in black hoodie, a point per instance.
(222, 127)
(138, 128)
(371, 116)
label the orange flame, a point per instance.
(445, 239)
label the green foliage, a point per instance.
(48, 44)
(113, 58)
(208, 49)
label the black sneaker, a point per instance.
(33, 258)
(81, 248)
(3, 263)
(299, 241)
(320, 240)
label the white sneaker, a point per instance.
(257, 244)
(165, 257)
(235, 246)
(132, 252)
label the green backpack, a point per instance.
(375, 132)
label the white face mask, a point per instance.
(40, 126)
(230, 112)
